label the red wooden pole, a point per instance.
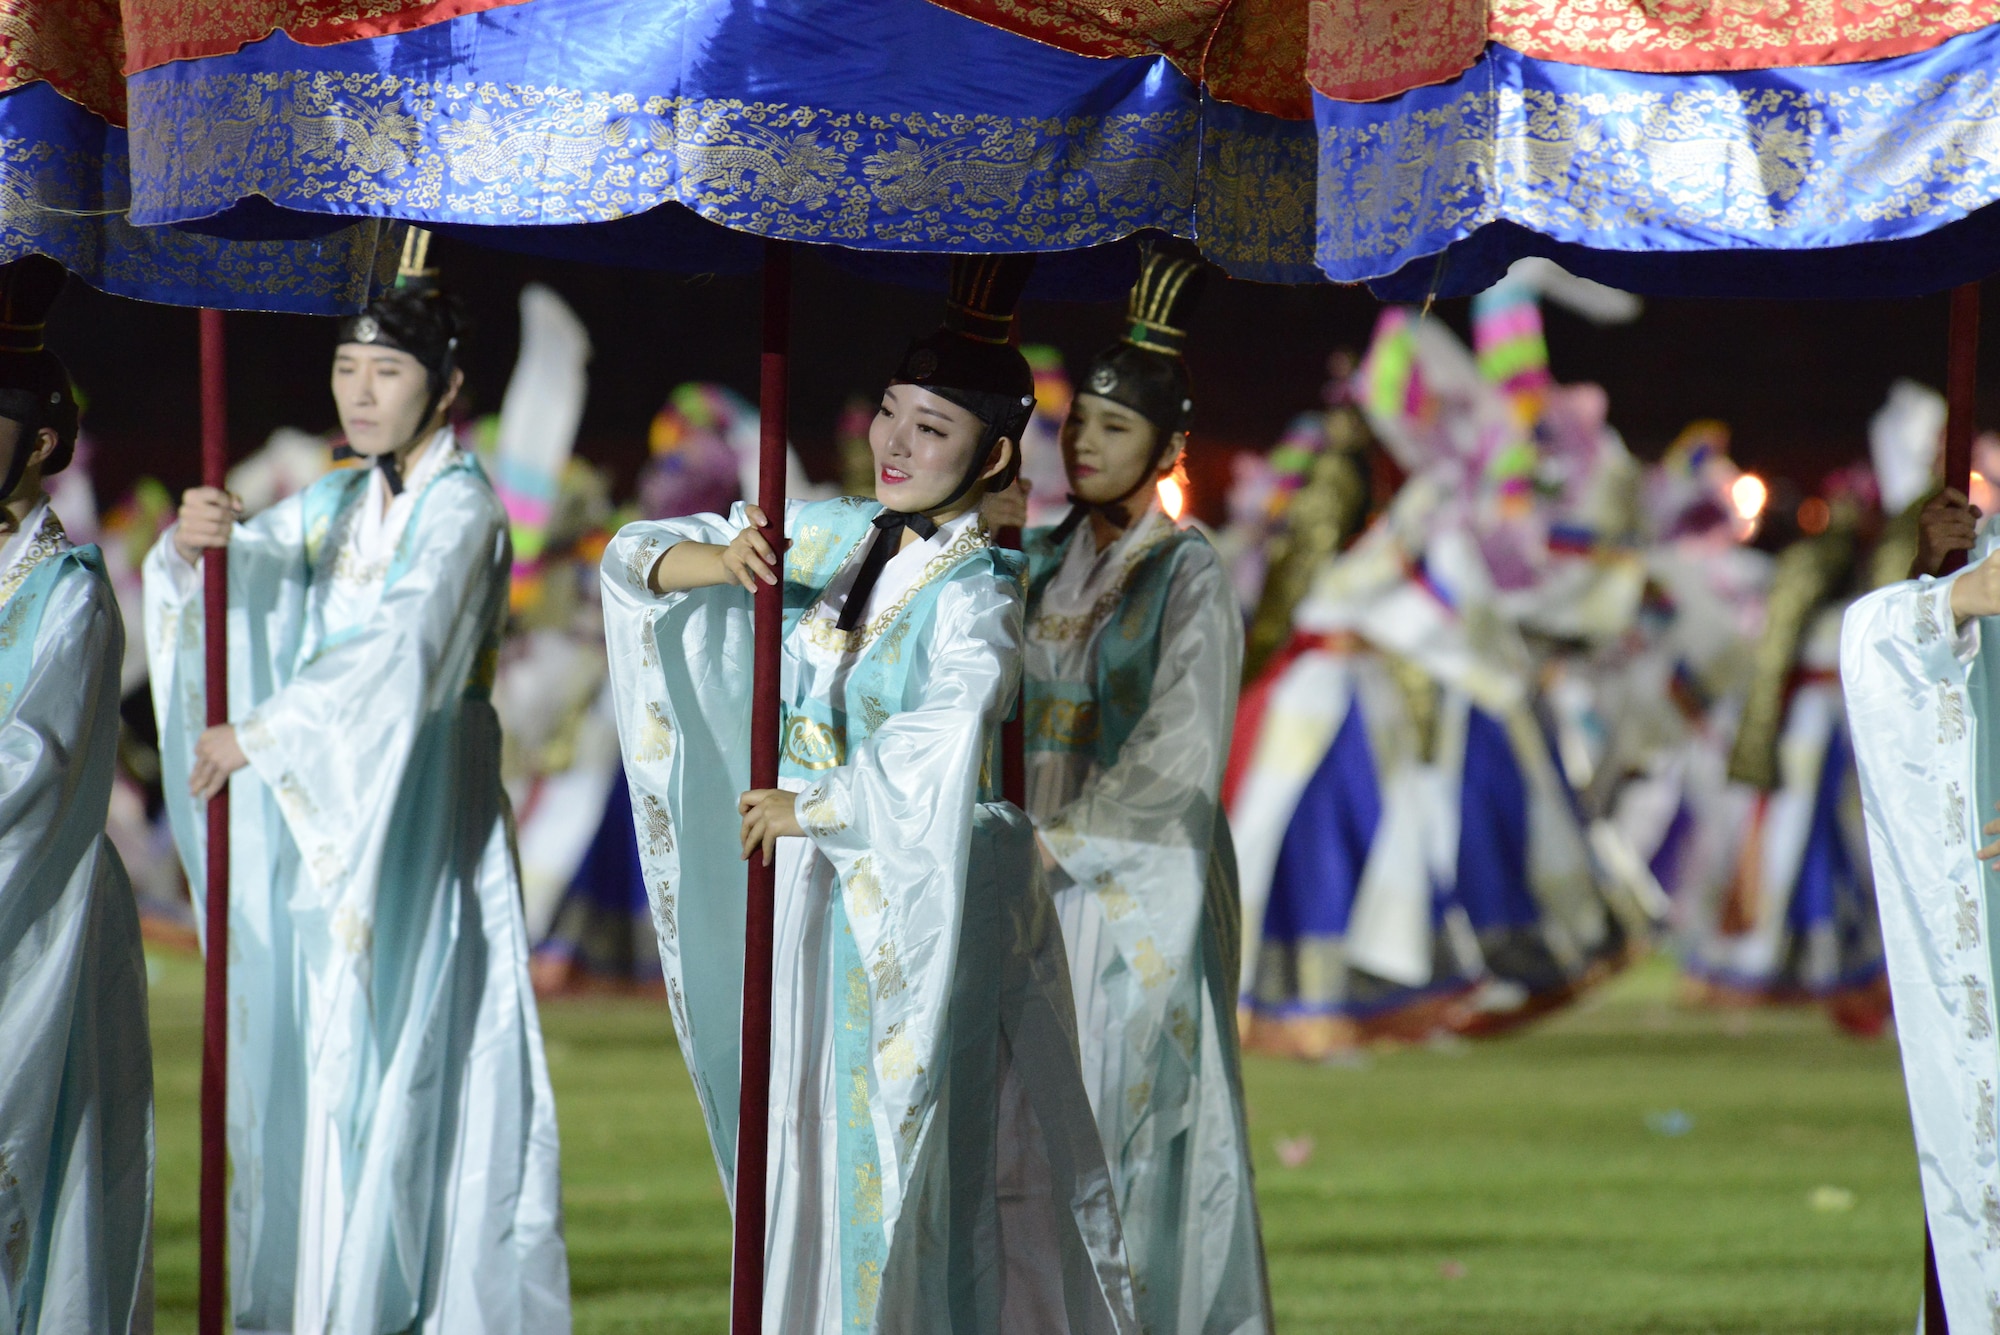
(215, 993)
(753, 1109)
(1961, 394)
(1961, 399)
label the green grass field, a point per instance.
(1626, 1167)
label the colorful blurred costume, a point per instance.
(1413, 853)
(1661, 704)
(1799, 921)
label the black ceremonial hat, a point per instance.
(1144, 370)
(34, 385)
(971, 359)
(415, 316)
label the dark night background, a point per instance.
(1796, 381)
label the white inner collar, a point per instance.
(902, 571)
(1087, 574)
(383, 517)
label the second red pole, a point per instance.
(753, 1115)
(213, 1301)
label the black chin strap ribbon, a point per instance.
(392, 472)
(888, 539)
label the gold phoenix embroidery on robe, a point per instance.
(810, 744)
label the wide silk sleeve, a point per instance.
(333, 739)
(52, 796)
(681, 675)
(1919, 702)
(267, 589)
(911, 785)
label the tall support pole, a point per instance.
(753, 1115)
(1961, 395)
(215, 993)
(1961, 399)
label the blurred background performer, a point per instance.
(1134, 647)
(934, 1165)
(385, 1055)
(1410, 842)
(76, 1061)
(1798, 920)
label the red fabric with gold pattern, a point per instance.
(1365, 49)
(157, 31)
(77, 46)
(1270, 55)
(84, 48)
(1683, 36)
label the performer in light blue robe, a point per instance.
(76, 1061)
(1134, 648)
(391, 1127)
(933, 1164)
(1921, 695)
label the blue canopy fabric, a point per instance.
(876, 125)
(64, 194)
(1838, 180)
(896, 131)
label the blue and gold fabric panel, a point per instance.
(872, 124)
(1659, 166)
(64, 193)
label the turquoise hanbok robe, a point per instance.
(933, 1165)
(1133, 655)
(391, 1127)
(76, 1060)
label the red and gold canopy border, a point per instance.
(85, 48)
(157, 31)
(1272, 55)
(1268, 55)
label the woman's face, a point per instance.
(923, 444)
(1107, 449)
(381, 394)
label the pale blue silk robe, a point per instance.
(1923, 707)
(1146, 890)
(933, 1165)
(76, 1063)
(392, 1129)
